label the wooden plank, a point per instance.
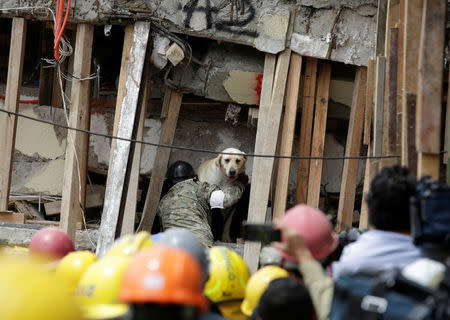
(49, 223)
(370, 90)
(9, 122)
(401, 35)
(266, 143)
(287, 138)
(380, 73)
(381, 27)
(411, 42)
(127, 104)
(75, 165)
(12, 217)
(428, 164)
(309, 93)
(429, 86)
(368, 176)
(352, 148)
(45, 73)
(172, 104)
(447, 132)
(129, 215)
(318, 140)
(392, 107)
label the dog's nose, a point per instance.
(232, 172)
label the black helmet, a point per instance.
(179, 171)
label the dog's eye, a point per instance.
(238, 160)
(227, 160)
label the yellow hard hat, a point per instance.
(72, 266)
(130, 244)
(258, 284)
(228, 275)
(29, 291)
(231, 310)
(98, 288)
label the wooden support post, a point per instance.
(352, 148)
(266, 143)
(447, 133)
(129, 215)
(126, 106)
(318, 140)
(45, 73)
(392, 84)
(380, 73)
(368, 112)
(9, 122)
(429, 87)
(411, 42)
(287, 139)
(309, 93)
(368, 176)
(381, 27)
(170, 112)
(75, 165)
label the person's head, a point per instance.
(179, 171)
(98, 289)
(164, 280)
(72, 267)
(30, 291)
(388, 199)
(51, 243)
(228, 278)
(286, 299)
(184, 239)
(257, 284)
(314, 227)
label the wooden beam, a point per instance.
(9, 122)
(370, 90)
(93, 200)
(309, 93)
(352, 148)
(75, 165)
(129, 215)
(381, 27)
(12, 217)
(171, 110)
(429, 87)
(368, 176)
(266, 143)
(287, 139)
(318, 140)
(129, 85)
(392, 84)
(411, 42)
(380, 73)
(447, 134)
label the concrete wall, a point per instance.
(340, 30)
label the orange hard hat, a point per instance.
(315, 228)
(164, 275)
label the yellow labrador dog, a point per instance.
(223, 169)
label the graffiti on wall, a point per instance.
(241, 13)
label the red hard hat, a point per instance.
(315, 228)
(51, 242)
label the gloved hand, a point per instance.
(243, 178)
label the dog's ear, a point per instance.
(218, 160)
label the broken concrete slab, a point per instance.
(346, 28)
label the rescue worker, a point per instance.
(164, 283)
(188, 205)
(72, 267)
(177, 172)
(30, 291)
(226, 285)
(257, 284)
(98, 289)
(130, 244)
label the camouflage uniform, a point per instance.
(187, 205)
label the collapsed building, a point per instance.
(198, 71)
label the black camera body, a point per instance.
(430, 214)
